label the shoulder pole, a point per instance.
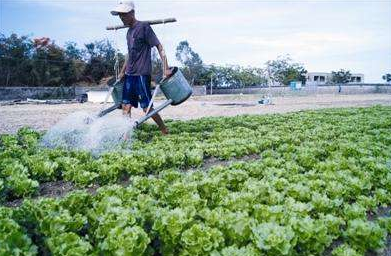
(151, 22)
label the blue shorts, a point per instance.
(137, 89)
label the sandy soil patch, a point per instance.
(42, 117)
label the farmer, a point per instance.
(137, 68)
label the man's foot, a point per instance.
(125, 137)
(165, 131)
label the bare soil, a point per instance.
(42, 116)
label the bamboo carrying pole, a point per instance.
(151, 22)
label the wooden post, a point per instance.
(211, 84)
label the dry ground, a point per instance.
(42, 116)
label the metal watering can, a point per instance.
(175, 88)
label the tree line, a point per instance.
(280, 71)
(41, 62)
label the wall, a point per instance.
(22, 93)
(199, 90)
(320, 89)
(98, 94)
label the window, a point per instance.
(316, 78)
(322, 78)
(358, 79)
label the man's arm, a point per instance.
(154, 41)
(163, 57)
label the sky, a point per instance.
(321, 35)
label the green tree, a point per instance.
(72, 51)
(15, 64)
(75, 55)
(341, 77)
(233, 76)
(27, 63)
(51, 68)
(387, 78)
(157, 70)
(192, 63)
(24, 63)
(283, 70)
(100, 60)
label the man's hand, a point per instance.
(167, 72)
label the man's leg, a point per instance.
(159, 121)
(128, 99)
(129, 95)
(126, 109)
(126, 112)
(126, 93)
(146, 96)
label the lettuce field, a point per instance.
(303, 183)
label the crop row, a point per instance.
(304, 137)
(268, 206)
(319, 176)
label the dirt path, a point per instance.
(42, 117)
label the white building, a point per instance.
(319, 78)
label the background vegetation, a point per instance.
(41, 62)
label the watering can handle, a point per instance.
(156, 90)
(152, 99)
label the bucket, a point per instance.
(176, 87)
(117, 92)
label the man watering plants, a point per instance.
(137, 68)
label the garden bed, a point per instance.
(309, 182)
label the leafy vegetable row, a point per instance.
(306, 137)
(259, 207)
(320, 175)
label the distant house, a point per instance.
(321, 78)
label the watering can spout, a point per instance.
(153, 112)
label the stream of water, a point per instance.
(84, 131)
